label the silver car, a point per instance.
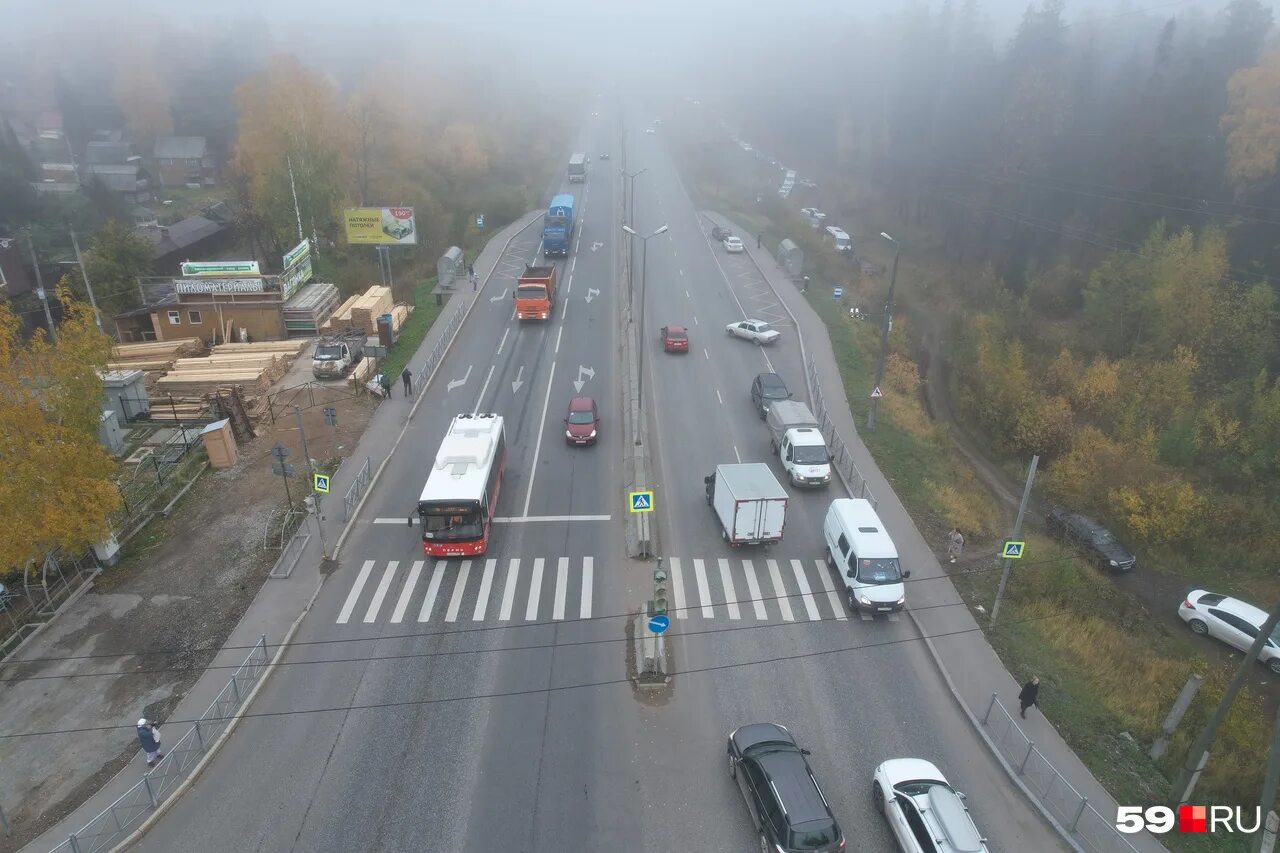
(924, 812)
(753, 330)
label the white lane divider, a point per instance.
(588, 570)
(780, 591)
(677, 589)
(486, 584)
(455, 603)
(537, 447)
(483, 388)
(509, 591)
(535, 589)
(433, 587)
(562, 588)
(381, 592)
(730, 594)
(704, 590)
(402, 604)
(753, 589)
(356, 588)
(806, 594)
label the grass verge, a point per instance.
(414, 330)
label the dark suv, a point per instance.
(1097, 543)
(784, 799)
(766, 388)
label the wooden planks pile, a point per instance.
(366, 310)
(253, 367)
(399, 314)
(178, 409)
(152, 356)
(341, 317)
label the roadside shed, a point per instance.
(791, 257)
(451, 267)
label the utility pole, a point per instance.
(886, 324)
(1017, 531)
(302, 434)
(1198, 756)
(84, 274)
(44, 297)
(1270, 782)
(297, 211)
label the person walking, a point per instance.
(475, 282)
(955, 543)
(471, 271)
(758, 236)
(1030, 695)
(385, 381)
(149, 739)
(407, 378)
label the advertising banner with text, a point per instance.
(381, 226)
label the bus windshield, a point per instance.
(450, 523)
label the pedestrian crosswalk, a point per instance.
(539, 589)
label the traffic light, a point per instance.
(659, 590)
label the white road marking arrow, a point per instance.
(458, 383)
(579, 382)
(591, 291)
(596, 245)
(501, 296)
(515, 385)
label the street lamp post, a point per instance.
(644, 270)
(885, 323)
(631, 194)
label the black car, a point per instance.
(718, 233)
(1097, 543)
(784, 799)
(766, 388)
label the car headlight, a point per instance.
(593, 434)
(902, 601)
(1114, 563)
(863, 599)
(568, 434)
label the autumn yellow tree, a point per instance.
(1252, 125)
(56, 491)
(143, 96)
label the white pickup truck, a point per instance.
(794, 434)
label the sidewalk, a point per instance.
(281, 603)
(969, 665)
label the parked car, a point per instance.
(604, 155)
(753, 330)
(582, 423)
(1232, 621)
(767, 388)
(786, 803)
(733, 244)
(675, 339)
(650, 131)
(721, 234)
(925, 814)
(1091, 538)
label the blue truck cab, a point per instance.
(557, 227)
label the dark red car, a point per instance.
(675, 339)
(582, 424)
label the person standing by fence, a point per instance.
(149, 739)
(407, 378)
(1030, 695)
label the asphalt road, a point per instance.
(505, 718)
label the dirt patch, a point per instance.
(181, 587)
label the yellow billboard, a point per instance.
(381, 226)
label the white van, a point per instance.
(838, 238)
(860, 548)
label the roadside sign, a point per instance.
(330, 416)
(837, 292)
(480, 220)
(284, 469)
(876, 393)
(322, 484)
(641, 501)
(1013, 550)
(658, 624)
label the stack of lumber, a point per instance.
(399, 314)
(253, 366)
(152, 355)
(289, 349)
(366, 310)
(179, 409)
(341, 317)
(306, 310)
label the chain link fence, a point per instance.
(114, 823)
(840, 456)
(1086, 824)
(438, 351)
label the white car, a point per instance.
(753, 330)
(733, 244)
(650, 131)
(1232, 621)
(809, 211)
(924, 813)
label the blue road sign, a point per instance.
(658, 624)
(1013, 550)
(322, 483)
(641, 501)
(479, 220)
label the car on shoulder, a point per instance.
(582, 423)
(1232, 621)
(925, 814)
(675, 339)
(604, 155)
(650, 131)
(790, 812)
(721, 234)
(1091, 538)
(757, 331)
(733, 244)
(766, 389)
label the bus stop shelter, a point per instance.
(791, 257)
(451, 268)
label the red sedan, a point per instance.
(675, 339)
(582, 424)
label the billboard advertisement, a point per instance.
(297, 269)
(381, 226)
(219, 269)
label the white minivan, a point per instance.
(837, 237)
(861, 549)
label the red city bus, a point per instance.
(461, 495)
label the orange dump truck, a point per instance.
(536, 293)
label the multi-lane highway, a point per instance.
(506, 719)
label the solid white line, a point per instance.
(381, 592)
(730, 594)
(695, 319)
(502, 343)
(402, 604)
(535, 590)
(753, 589)
(559, 334)
(527, 519)
(779, 590)
(509, 591)
(483, 388)
(486, 584)
(588, 570)
(737, 454)
(573, 264)
(562, 585)
(459, 587)
(824, 574)
(806, 593)
(350, 603)
(432, 588)
(537, 448)
(767, 362)
(704, 591)
(564, 310)
(705, 353)
(686, 295)
(568, 284)
(677, 589)
(718, 397)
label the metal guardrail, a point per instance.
(356, 489)
(1072, 809)
(840, 456)
(437, 352)
(114, 823)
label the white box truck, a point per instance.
(749, 503)
(795, 436)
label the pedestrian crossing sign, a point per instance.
(1013, 550)
(322, 484)
(641, 501)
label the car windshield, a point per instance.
(763, 328)
(530, 292)
(1101, 536)
(328, 352)
(813, 835)
(813, 455)
(450, 522)
(583, 417)
(880, 571)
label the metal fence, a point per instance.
(840, 456)
(356, 489)
(43, 590)
(114, 823)
(1087, 826)
(438, 351)
(306, 396)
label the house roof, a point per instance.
(180, 148)
(114, 152)
(165, 301)
(125, 179)
(179, 235)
